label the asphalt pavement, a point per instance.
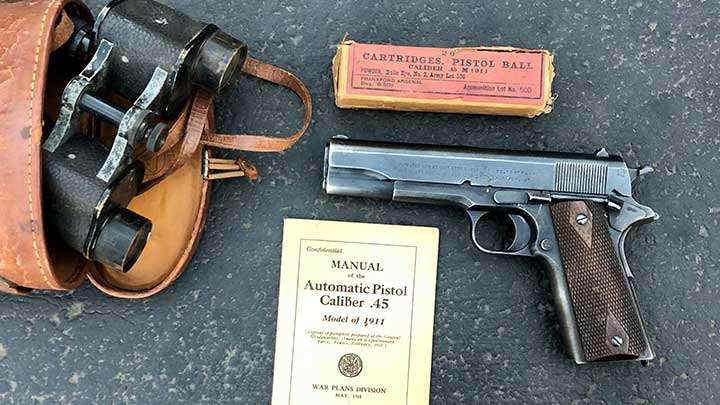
(639, 78)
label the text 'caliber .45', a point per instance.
(152, 57)
(572, 211)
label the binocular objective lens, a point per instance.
(121, 240)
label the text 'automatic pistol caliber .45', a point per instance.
(572, 211)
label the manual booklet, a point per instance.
(355, 316)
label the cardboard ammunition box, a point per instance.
(484, 80)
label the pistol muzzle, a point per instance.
(342, 177)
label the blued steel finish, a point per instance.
(523, 187)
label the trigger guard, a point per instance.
(475, 217)
(521, 229)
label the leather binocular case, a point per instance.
(107, 147)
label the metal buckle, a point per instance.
(218, 169)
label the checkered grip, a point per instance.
(607, 317)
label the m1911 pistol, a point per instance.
(572, 211)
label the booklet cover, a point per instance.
(355, 316)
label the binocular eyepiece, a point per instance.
(219, 58)
(154, 57)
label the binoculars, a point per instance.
(154, 57)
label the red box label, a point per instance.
(484, 75)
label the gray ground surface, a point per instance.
(640, 78)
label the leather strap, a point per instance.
(184, 140)
(262, 143)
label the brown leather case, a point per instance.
(176, 193)
(27, 32)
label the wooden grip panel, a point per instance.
(607, 317)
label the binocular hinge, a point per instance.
(219, 169)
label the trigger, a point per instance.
(522, 233)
